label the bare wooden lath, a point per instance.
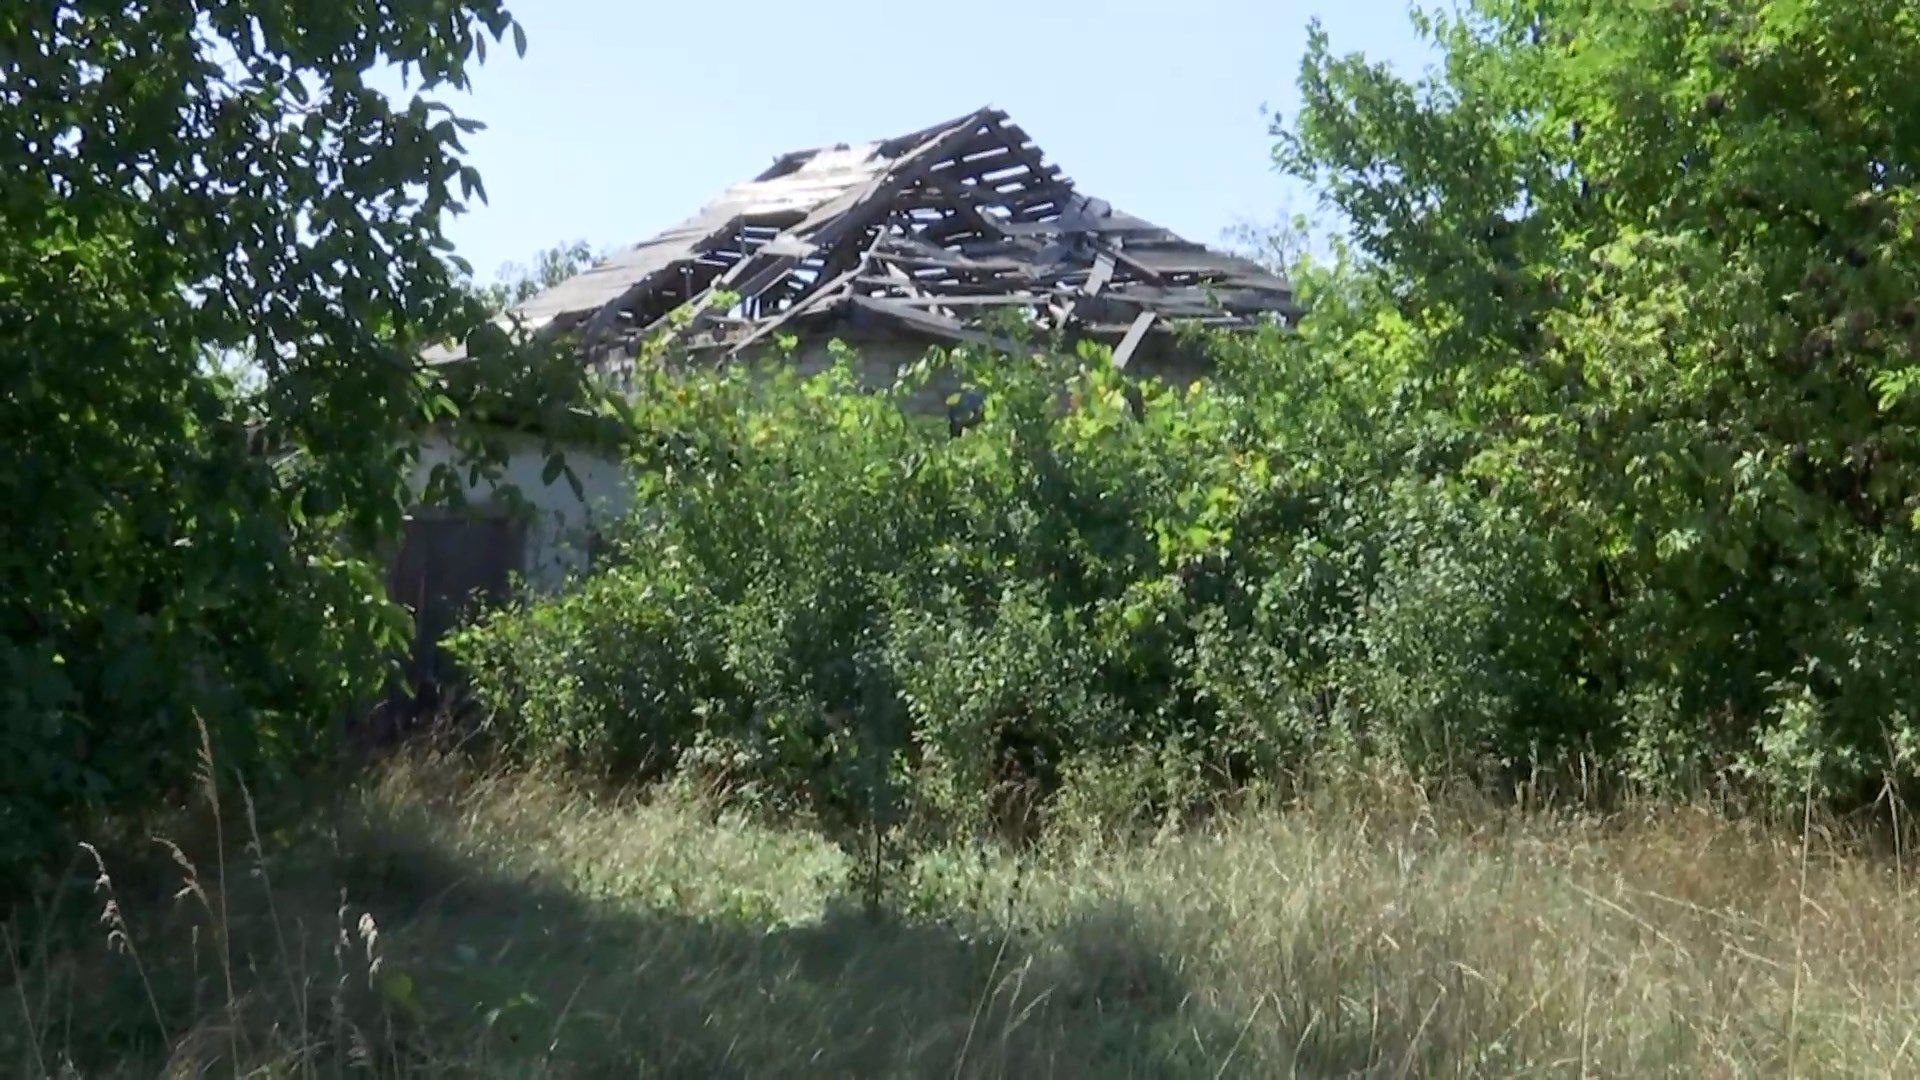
(923, 233)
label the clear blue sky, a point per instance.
(626, 116)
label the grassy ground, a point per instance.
(443, 923)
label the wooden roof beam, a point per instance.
(1137, 333)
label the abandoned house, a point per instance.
(891, 247)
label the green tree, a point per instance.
(190, 186)
(1655, 263)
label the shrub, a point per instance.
(838, 604)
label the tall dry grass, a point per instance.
(437, 921)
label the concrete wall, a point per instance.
(561, 525)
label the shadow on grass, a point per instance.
(534, 978)
(461, 968)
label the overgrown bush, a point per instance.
(1657, 263)
(827, 600)
(1601, 442)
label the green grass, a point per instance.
(442, 922)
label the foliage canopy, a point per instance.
(190, 187)
(1658, 264)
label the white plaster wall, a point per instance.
(561, 524)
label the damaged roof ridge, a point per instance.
(791, 245)
(894, 146)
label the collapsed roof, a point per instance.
(920, 235)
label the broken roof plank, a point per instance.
(929, 323)
(1136, 333)
(1103, 265)
(922, 300)
(825, 295)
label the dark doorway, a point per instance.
(450, 565)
